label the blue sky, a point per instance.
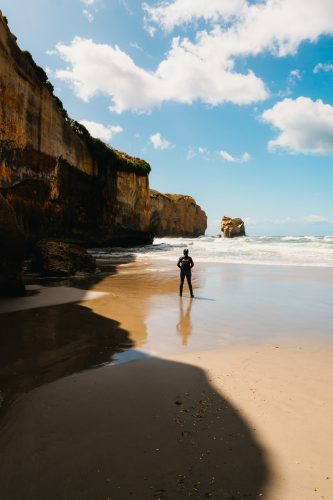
(229, 100)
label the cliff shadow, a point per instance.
(150, 429)
(40, 345)
(147, 429)
(47, 335)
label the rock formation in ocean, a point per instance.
(12, 250)
(232, 228)
(62, 182)
(56, 258)
(176, 215)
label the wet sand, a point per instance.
(226, 396)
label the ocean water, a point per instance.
(306, 251)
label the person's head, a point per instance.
(186, 252)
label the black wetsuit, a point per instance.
(185, 265)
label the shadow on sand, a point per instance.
(41, 345)
(148, 429)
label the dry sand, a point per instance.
(41, 296)
(202, 414)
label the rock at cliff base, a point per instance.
(57, 258)
(231, 228)
(12, 252)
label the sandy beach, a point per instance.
(120, 389)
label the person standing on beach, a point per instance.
(185, 265)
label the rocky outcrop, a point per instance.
(176, 215)
(62, 182)
(65, 185)
(56, 258)
(12, 248)
(232, 228)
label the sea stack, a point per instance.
(232, 227)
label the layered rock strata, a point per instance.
(232, 228)
(176, 215)
(61, 182)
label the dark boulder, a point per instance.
(57, 258)
(12, 252)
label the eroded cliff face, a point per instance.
(176, 215)
(60, 181)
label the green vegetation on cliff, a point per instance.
(40, 73)
(171, 197)
(108, 157)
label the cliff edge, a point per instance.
(176, 215)
(62, 182)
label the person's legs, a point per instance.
(189, 282)
(182, 277)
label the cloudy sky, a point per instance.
(231, 101)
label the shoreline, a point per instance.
(137, 393)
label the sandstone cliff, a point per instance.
(232, 228)
(62, 182)
(176, 215)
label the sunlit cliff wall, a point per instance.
(60, 181)
(176, 215)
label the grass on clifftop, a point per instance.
(105, 155)
(170, 197)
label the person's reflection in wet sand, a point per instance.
(148, 429)
(184, 326)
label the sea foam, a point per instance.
(266, 250)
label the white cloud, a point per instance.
(201, 69)
(187, 74)
(317, 219)
(191, 153)
(201, 150)
(150, 30)
(89, 3)
(136, 46)
(294, 76)
(171, 14)
(103, 69)
(158, 142)
(105, 133)
(88, 15)
(253, 27)
(323, 67)
(233, 159)
(305, 126)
